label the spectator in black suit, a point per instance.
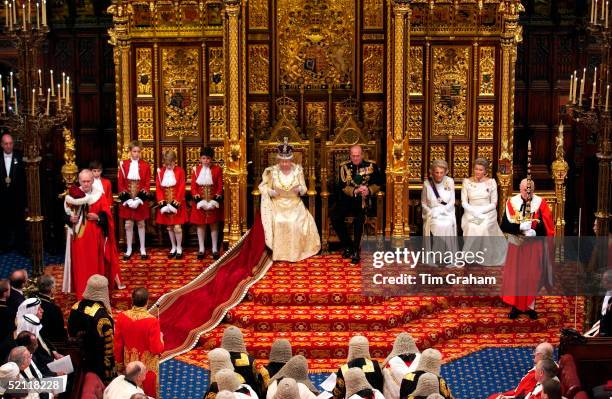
(52, 320)
(12, 198)
(40, 357)
(5, 314)
(18, 279)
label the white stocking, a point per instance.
(214, 235)
(141, 236)
(129, 236)
(178, 232)
(172, 239)
(201, 234)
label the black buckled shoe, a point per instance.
(215, 255)
(144, 256)
(200, 255)
(514, 313)
(179, 255)
(355, 258)
(347, 253)
(533, 315)
(127, 256)
(171, 254)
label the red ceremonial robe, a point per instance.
(166, 195)
(526, 258)
(201, 216)
(123, 184)
(138, 337)
(526, 385)
(91, 251)
(108, 190)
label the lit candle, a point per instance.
(561, 127)
(10, 16)
(607, 13)
(571, 87)
(33, 103)
(582, 81)
(575, 97)
(14, 13)
(6, 13)
(48, 101)
(593, 95)
(68, 90)
(63, 84)
(11, 83)
(44, 13)
(3, 101)
(1, 96)
(52, 90)
(581, 92)
(595, 17)
(59, 95)
(23, 14)
(16, 103)
(29, 12)
(37, 16)
(607, 96)
(592, 8)
(603, 10)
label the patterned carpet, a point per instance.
(13, 260)
(474, 376)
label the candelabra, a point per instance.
(30, 108)
(594, 113)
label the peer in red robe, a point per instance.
(89, 246)
(133, 182)
(207, 207)
(170, 192)
(527, 259)
(138, 337)
(113, 271)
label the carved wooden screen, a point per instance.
(170, 86)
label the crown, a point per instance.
(285, 150)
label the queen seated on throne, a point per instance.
(290, 230)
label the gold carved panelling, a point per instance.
(148, 154)
(144, 118)
(167, 148)
(461, 161)
(415, 122)
(450, 80)
(181, 70)
(259, 116)
(416, 70)
(415, 162)
(316, 117)
(341, 114)
(192, 158)
(486, 63)
(315, 41)
(373, 14)
(486, 115)
(486, 152)
(258, 14)
(373, 57)
(373, 119)
(216, 83)
(437, 152)
(216, 122)
(219, 153)
(144, 62)
(259, 71)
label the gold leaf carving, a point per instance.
(486, 152)
(259, 116)
(181, 70)
(416, 70)
(216, 80)
(487, 71)
(192, 158)
(373, 57)
(450, 78)
(461, 161)
(315, 41)
(259, 67)
(437, 152)
(148, 154)
(316, 117)
(373, 14)
(258, 14)
(216, 122)
(144, 120)
(415, 156)
(415, 121)
(144, 72)
(373, 119)
(486, 115)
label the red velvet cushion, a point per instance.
(570, 383)
(93, 388)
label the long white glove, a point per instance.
(213, 204)
(136, 202)
(272, 193)
(164, 209)
(171, 209)
(477, 214)
(525, 226)
(437, 211)
(530, 233)
(201, 204)
(128, 203)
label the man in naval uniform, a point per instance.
(357, 182)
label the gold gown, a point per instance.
(289, 228)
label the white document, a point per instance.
(62, 365)
(63, 383)
(325, 395)
(330, 383)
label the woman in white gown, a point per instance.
(479, 220)
(289, 228)
(438, 203)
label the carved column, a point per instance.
(397, 101)
(34, 217)
(235, 142)
(559, 171)
(511, 36)
(604, 157)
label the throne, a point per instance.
(333, 153)
(265, 149)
